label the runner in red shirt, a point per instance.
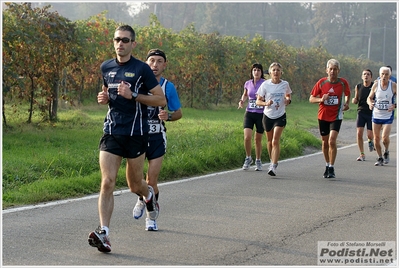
(332, 93)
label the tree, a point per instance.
(343, 28)
(22, 39)
(94, 45)
(37, 45)
(44, 54)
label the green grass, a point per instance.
(44, 162)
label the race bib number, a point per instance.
(155, 126)
(332, 100)
(252, 105)
(382, 105)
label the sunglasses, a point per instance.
(275, 64)
(124, 40)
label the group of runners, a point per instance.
(134, 128)
(267, 100)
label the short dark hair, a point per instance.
(368, 70)
(127, 28)
(389, 67)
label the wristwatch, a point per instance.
(134, 96)
(169, 117)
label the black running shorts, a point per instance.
(125, 146)
(156, 146)
(325, 127)
(251, 119)
(364, 119)
(269, 123)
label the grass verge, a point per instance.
(45, 162)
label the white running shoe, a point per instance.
(150, 225)
(248, 161)
(100, 240)
(138, 209)
(362, 157)
(258, 164)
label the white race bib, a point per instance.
(332, 100)
(382, 105)
(155, 126)
(252, 105)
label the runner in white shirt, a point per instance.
(382, 101)
(275, 95)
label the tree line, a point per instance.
(49, 60)
(360, 29)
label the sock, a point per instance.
(327, 164)
(106, 229)
(331, 165)
(148, 198)
(157, 196)
(361, 152)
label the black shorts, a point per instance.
(269, 124)
(251, 119)
(125, 146)
(156, 146)
(364, 119)
(325, 127)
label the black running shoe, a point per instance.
(272, 170)
(152, 205)
(325, 175)
(386, 157)
(331, 173)
(380, 162)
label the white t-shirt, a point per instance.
(275, 92)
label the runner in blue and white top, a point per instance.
(157, 116)
(157, 125)
(382, 101)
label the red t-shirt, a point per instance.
(332, 108)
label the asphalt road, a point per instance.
(235, 218)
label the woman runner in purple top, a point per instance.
(253, 116)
